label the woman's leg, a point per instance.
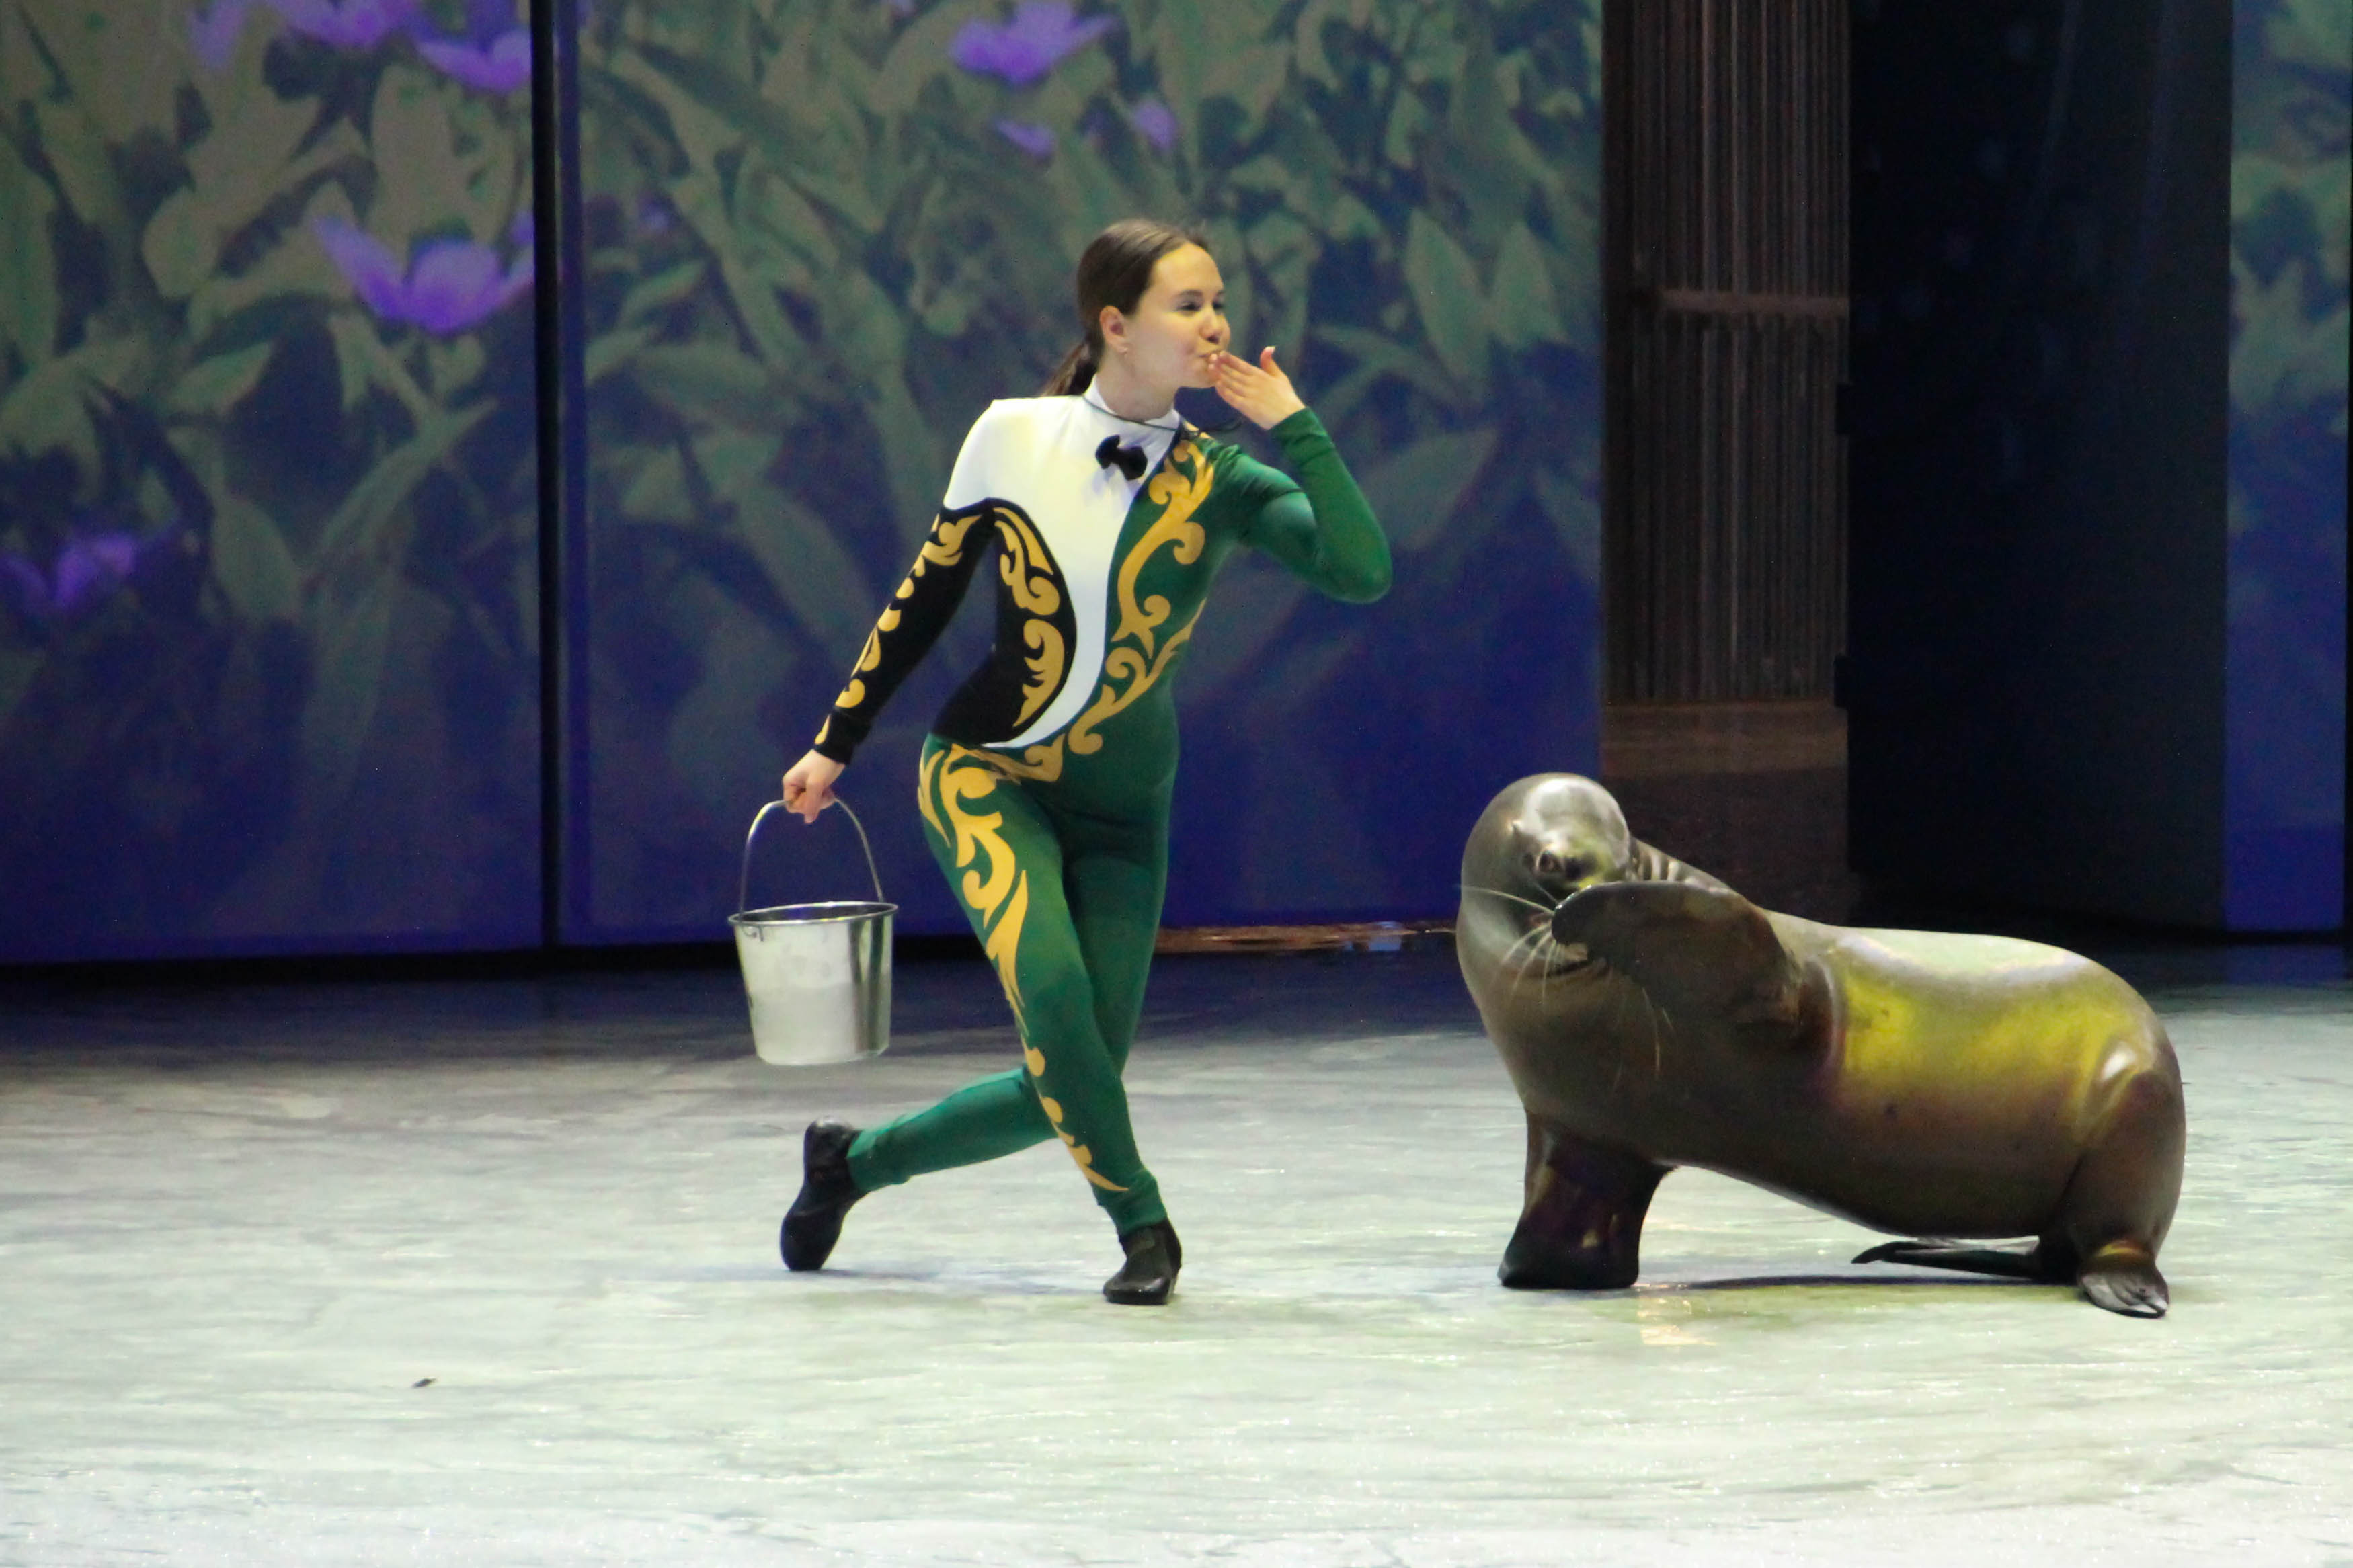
(1115, 876)
(1004, 856)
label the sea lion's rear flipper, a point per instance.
(2123, 1277)
(2019, 1263)
(1691, 949)
(1582, 1226)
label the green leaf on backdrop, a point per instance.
(1417, 492)
(736, 101)
(219, 383)
(118, 56)
(347, 686)
(1522, 305)
(49, 409)
(1251, 77)
(2317, 33)
(355, 525)
(29, 282)
(2281, 360)
(1378, 357)
(424, 177)
(295, 267)
(1447, 296)
(612, 351)
(661, 290)
(917, 57)
(23, 73)
(710, 381)
(819, 581)
(1576, 512)
(179, 248)
(454, 365)
(251, 562)
(1307, 35)
(657, 491)
(84, 168)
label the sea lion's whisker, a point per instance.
(1520, 969)
(1498, 892)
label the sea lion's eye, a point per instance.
(1549, 864)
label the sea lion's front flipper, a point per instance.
(1692, 950)
(2010, 1264)
(1651, 865)
(1582, 1228)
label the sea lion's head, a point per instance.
(1541, 840)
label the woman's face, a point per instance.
(1178, 331)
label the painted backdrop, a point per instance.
(822, 235)
(2290, 219)
(268, 594)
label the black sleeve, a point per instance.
(911, 623)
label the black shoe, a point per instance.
(1153, 1256)
(814, 1222)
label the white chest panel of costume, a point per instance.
(1038, 453)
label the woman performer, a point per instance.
(1045, 783)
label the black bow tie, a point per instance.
(1129, 460)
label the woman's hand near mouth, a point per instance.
(1261, 393)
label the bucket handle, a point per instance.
(743, 883)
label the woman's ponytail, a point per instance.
(1074, 374)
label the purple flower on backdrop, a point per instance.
(215, 32)
(1155, 122)
(501, 65)
(91, 565)
(1035, 140)
(450, 285)
(1040, 35)
(346, 24)
(491, 55)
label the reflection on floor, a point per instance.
(484, 1272)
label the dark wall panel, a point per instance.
(2042, 258)
(1726, 276)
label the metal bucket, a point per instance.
(817, 976)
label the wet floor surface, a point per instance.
(484, 1272)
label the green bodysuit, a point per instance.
(1044, 786)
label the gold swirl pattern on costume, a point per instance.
(1047, 663)
(1027, 569)
(1141, 673)
(942, 547)
(1179, 494)
(1000, 898)
(999, 895)
(1029, 574)
(1032, 1058)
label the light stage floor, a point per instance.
(485, 1272)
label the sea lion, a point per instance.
(1926, 1083)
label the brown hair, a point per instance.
(1115, 269)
